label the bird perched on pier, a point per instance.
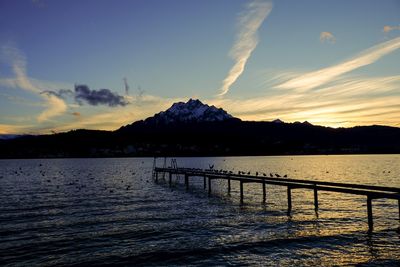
(256, 173)
(285, 176)
(271, 175)
(264, 174)
(277, 175)
(248, 173)
(211, 166)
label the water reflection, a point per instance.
(109, 211)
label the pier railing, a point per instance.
(371, 192)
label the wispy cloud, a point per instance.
(126, 85)
(111, 119)
(388, 28)
(39, 3)
(55, 105)
(11, 54)
(349, 101)
(327, 37)
(55, 108)
(317, 78)
(140, 92)
(14, 129)
(246, 40)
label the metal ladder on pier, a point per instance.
(164, 166)
(174, 165)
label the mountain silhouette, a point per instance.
(193, 111)
(197, 129)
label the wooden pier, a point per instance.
(370, 192)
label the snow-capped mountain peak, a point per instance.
(278, 121)
(192, 111)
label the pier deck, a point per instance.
(371, 192)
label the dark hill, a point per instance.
(195, 129)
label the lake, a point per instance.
(69, 212)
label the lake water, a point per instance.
(66, 212)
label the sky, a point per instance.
(101, 64)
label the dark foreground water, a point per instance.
(66, 212)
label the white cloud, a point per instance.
(14, 129)
(317, 78)
(246, 40)
(388, 28)
(142, 107)
(349, 101)
(327, 37)
(55, 106)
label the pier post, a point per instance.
(315, 198)
(369, 191)
(241, 192)
(369, 209)
(264, 192)
(289, 199)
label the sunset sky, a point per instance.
(100, 64)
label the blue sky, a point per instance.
(333, 63)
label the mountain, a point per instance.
(197, 129)
(277, 121)
(181, 115)
(193, 111)
(9, 136)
